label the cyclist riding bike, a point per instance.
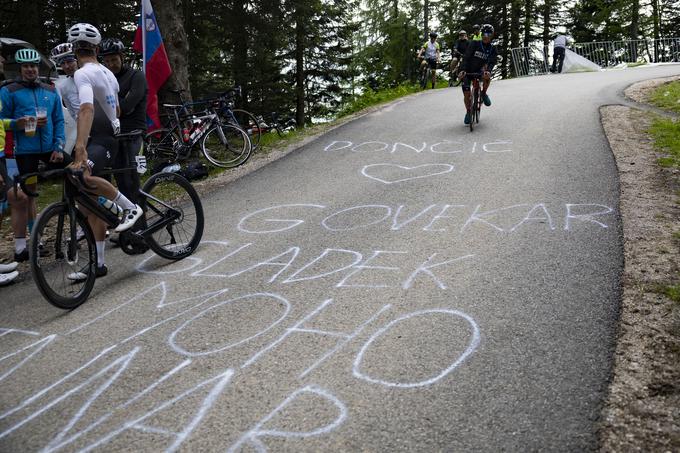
(97, 85)
(132, 99)
(459, 49)
(476, 32)
(480, 58)
(430, 54)
(37, 123)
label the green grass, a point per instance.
(370, 98)
(667, 96)
(666, 135)
(670, 291)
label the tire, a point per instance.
(181, 238)
(226, 146)
(473, 110)
(249, 123)
(159, 146)
(51, 270)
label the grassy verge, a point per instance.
(666, 135)
(667, 96)
(372, 98)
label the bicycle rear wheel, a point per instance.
(226, 146)
(160, 146)
(249, 123)
(51, 271)
(473, 110)
(166, 194)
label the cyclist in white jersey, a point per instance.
(431, 55)
(95, 82)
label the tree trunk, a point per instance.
(240, 50)
(515, 14)
(528, 12)
(426, 11)
(656, 19)
(546, 21)
(506, 40)
(170, 15)
(299, 67)
(635, 19)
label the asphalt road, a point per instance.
(399, 284)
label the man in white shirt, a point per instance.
(559, 49)
(94, 82)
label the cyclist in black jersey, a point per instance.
(480, 58)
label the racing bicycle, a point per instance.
(223, 145)
(476, 93)
(63, 245)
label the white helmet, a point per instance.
(84, 33)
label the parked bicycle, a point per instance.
(223, 145)
(225, 107)
(62, 243)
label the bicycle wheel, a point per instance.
(226, 146)
(166, 193)
(52, 270)
(160, 145)
(249, 123)
(473, 110)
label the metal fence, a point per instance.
(535, 60)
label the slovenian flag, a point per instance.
(149, 42)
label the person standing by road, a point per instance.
(132, 98)
(37, 122)
(559, 49)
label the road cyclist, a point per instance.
(430, 56)
(480, 58)
(93, 152)
(459, 49)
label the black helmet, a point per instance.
(475, 27)
(433, 34)
(487, 29)
(111, 46)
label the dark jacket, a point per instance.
(132, 97)
(479, 55)
(461, 47)
(19, 99)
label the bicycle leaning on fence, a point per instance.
(172, 226)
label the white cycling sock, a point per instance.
(100, 253)
(122, 201)
(19, 245)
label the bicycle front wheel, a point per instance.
(249, 123)
(173, 208)
(226, 146)
(65, 274)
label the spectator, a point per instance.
(37, 121)
(7, 271)
(560, 45)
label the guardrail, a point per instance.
(535, 60)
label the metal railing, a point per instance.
(534, 60)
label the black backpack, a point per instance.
(194, 170)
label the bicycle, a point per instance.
(224, 106)
(223, 145)
(172, 226)
(476, 99)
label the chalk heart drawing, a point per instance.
(393, 173)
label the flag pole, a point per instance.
(143, 26)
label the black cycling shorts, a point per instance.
(5, 183)
(29, 163)
(467, 81)
(432, 62)
(100, 157)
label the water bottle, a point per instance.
(185, 135)
(110, 205)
